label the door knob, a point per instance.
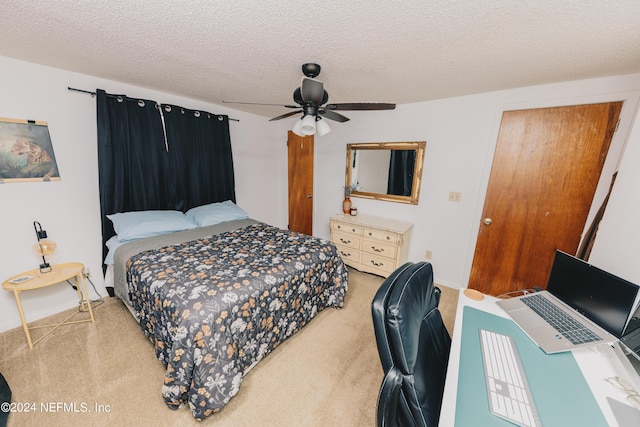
(487, 221)
(309, 196)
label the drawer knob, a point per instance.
(377, 264)
(346, 242)
(343, 254)
(353, 229)
(376, 249)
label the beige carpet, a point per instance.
(106, 373)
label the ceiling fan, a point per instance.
(311, 99)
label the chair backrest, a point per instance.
(387, 413)
(417, 341)
(379, 314)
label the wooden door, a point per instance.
(544, 174)
(300, 155)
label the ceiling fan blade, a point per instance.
(361, 106)
(312, 91)
(285, 115)
(327, 114)
(260, 103)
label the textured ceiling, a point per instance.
(370, 51)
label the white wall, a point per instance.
(617, 246)
(69, 210)
(461, 135)
(460, 132)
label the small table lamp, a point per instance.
(43, 247)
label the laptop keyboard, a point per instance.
(571, 329)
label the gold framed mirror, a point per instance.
(390, 171)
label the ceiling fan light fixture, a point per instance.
(308, 125)
(297, 128)
(322, 127)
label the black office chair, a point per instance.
(410, 332)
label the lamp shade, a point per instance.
(322, 127)
(308, 125)
(297, 128)
(45, 247)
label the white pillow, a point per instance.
(216, 213)
(139, 224)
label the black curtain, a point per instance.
(154, 156)
(401, 167)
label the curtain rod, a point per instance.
(94, 94)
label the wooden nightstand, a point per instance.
(37, 280)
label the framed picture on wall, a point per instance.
(26, 152)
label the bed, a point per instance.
(215, 300)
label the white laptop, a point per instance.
(631, 339)
(598, 301)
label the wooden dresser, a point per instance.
(371, 244)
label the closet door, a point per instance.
(300, 158)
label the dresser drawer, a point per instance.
(383, 264)
(377, 248)
(385, 236)
(347, 228)
(345, 239)
(348, 254)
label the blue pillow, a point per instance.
(113, 244)
(136, 225)
(216, 213)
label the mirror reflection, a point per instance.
(389, 171)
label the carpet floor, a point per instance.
(106, 373)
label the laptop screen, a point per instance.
(603, 298)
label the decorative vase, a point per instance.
(346, 205)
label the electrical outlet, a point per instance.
(455, 196)
(86, 272)
(428, 254)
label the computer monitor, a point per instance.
(602, 297)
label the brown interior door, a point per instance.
(300, 155)
(544, 174)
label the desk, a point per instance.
(595, 364)
(59, 273)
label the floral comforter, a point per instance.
(215, 306)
